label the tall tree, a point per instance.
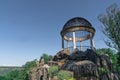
(111, 27)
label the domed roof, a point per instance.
(82, 28)
(77, 21)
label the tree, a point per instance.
(3, 78)
(111, 27)
(29, 65)
(46, 58)
(20, 74)
(13, 75)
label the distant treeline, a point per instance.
(6, 69)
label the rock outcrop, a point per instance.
(39, 73)
(85, 65)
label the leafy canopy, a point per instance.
(111, 26)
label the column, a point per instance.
(62, 44)
(91, 42)
(74, 41)
(68, 45)
(80, 45)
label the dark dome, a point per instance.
(77, 21)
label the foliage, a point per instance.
(6, 69)
(53, 71)
(46, 58)
(29, 65)
(111, 27)
(111, 53)
(3, 78)
(118, 57)
(20, 74)
(23, 74)
(102, 70)
(72, 79)
(113, 56)
(63, 75)
(111, 23)
(13, 75)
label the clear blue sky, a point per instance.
(29, 28)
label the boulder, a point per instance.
(82, 68)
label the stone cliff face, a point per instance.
(85, 65)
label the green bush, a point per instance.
(3, 78)
(72, 79)
(53, 71)
(102, 70)
(64, 75)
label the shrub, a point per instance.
(53, 71)
(64, 75)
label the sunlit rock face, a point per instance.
(39, 73)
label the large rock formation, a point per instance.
(87, 65)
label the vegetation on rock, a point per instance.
(63, 75)
(53, 71)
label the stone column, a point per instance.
(68, 45)
(62, 44)
(91, 42)
(80, 45)
(74, 41)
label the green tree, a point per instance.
(29, 65)
(13, 75)
(20, 74)
(111, 27)
(46, 58)
(3, 78)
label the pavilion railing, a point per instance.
(82, 48)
